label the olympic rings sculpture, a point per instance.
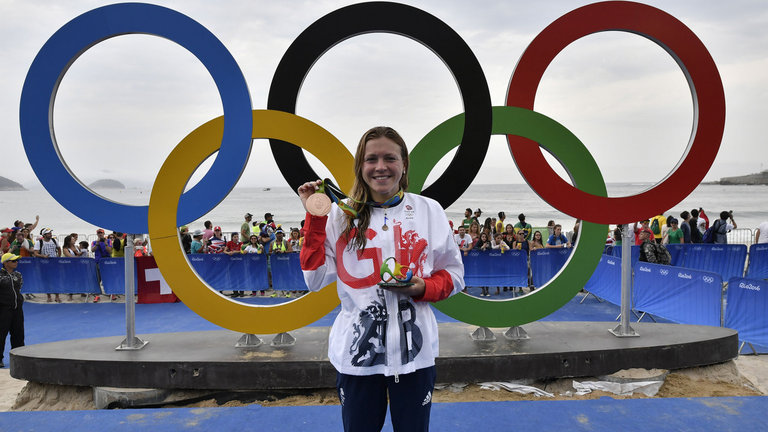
(526, 131)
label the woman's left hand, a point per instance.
(415, 290)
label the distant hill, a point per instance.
(10, 185)
(749, 179)
(106, 184)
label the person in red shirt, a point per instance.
(234, 246)
(644, 227)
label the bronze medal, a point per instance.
(384, 227)
(318, 204)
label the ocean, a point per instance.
(749, 205)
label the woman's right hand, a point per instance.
(307, 190)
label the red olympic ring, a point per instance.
(708, 113)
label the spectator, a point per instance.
(245, 228)
(498, 242)
(234, 245)
(493, 226)
(557, 239)
(703, 221)
(216, 244)
(483, 243)
(537, 242)
(118, 245)
(83, 248)
(500, 223)
(186, 239)
(721, 227)
(487, 227)
(266, 241)
(280, 245)
(694, 224)
(521, 243)
(550, 227)
(651, 252)
(467, 217)
(140, 250)
(463, 240)
(643, 227)
(656, 224)
(101, 247)
(5, 240)
(524, 226)
(69, 249)
(208, 231)
(197, 243)
(674, 234)
(21, 246)
(575, 234)
(509, 240)
(296, 240)
(47, 247)
(269, 225)
(761, 234)
(253, 245)
(11, 302)
(79, 250)
(509, 229)
(474, 231)
(476, 216)
(685, 226)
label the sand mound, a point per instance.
(723, 379)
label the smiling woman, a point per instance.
(384, 342)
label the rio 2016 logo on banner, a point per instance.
(526, 131)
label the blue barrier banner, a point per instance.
(244, 272)
(483, 268)
(678, 294)
(758, 261)
(676, 253)
(746, 308)
(727, 260)
(545, 263)
(606, 280)
(635, 253)
(286, 272)
(59, 275)
(112, 272)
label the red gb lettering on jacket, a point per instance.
(373, 254)
(409, 249)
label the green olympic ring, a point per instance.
(585, 174)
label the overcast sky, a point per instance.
(126, 102)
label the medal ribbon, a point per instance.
(336, 196)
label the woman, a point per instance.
(520, 242)
(483, 243)
(537, 242)
(254, 246)
(674, 234)
(11, 304)
(118, 245)
(295, 240)
(383, 343)
(69, 248)
(474, 231)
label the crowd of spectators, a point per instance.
(494, 234)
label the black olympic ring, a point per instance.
(415, 24)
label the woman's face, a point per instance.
(510, 228)
(254, 239)
(537, 235)
(382, 168)
(484, 237)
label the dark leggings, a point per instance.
(364, 400)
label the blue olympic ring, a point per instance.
(72, 40)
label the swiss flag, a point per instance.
(152, 286)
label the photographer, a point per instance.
(721, 227)
(101, 247)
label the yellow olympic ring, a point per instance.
(171, 260)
